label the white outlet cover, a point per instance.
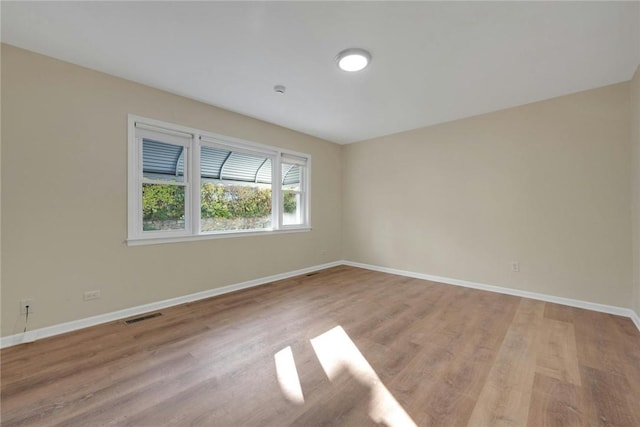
(91, 295)
(24, 303)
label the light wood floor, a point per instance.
(344, 347)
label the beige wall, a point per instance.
(64, 181)
(635, 186)
(546, 184)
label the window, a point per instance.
(235, 189)
(188, 184)
(294, 197)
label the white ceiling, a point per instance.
(432, 61)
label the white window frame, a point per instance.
(304, 162)
(193, 139)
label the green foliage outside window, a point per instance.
(166, 202)
(213, 202)
(162, 202)
(289, 201)
(234, 201)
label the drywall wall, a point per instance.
(64, 183)
(635, 186)
(0, 193)
(545, 185)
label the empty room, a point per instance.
(320, 213)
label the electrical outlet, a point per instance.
(89, 295)
(515, 267)
(23, 306)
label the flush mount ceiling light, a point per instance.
(353, 59)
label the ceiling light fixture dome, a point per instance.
(353, 59)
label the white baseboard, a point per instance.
(610, 309)
(74, 325)
(62, 328)
(636, 319)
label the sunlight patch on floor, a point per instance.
(288, 376)
(337, 352)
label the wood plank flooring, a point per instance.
(343, 347)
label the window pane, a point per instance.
(235, 191)
(292, 208)
(162, 161)
(291, 176)
(163, 207)
(292, 213)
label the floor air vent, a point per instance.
(312, 274)
(141, 318)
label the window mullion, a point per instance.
(195, 186)
(305, 194)
(276, 193)
(140, 182)
(187, 191)
(162, 182)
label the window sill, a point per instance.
(211, 236)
